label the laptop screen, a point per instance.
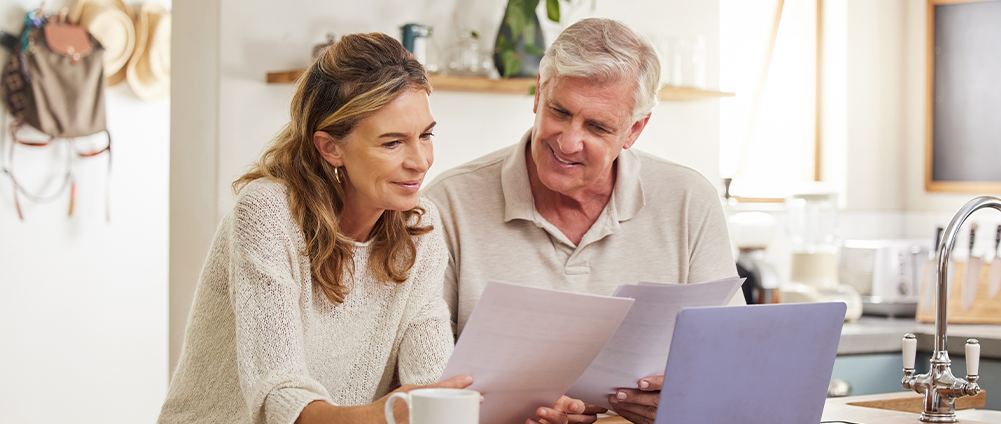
(751, 364)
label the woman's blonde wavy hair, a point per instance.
(347, 83)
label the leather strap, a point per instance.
(69, 182)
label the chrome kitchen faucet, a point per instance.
(940, 387)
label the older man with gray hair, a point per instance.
(571, 207)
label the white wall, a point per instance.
(193, 153)
(863, 102)
(83, 310)
(875, 99)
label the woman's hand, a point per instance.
(400, 408)
(323, 412)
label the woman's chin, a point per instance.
(405, 204)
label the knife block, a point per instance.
(983, 310)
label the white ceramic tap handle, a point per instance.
(972, 357)
(910, 350)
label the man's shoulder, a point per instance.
(477, 174)
(655, 169)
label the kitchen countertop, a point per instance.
(843, 410)
(884, 335)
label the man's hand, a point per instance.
(638, 406)
(568, 411)
(589, 415)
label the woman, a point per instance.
(322, 289)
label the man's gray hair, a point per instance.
(605, 51)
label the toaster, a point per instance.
(886, 273)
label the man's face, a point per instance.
(580, 128)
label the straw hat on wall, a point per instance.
(148, 71)
(110, 22)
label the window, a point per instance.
(768, 133)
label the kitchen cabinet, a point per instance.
(870, 374)
(881, 373)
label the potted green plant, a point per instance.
(520, 44)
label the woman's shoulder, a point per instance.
(263, 192)
(262, 202)
(430, 215)
(432, 252)
(433, 241)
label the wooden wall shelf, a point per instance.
(670, 93)
(514, 86)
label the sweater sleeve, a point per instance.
(427, 342)
(265, 293)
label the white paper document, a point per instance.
(526, 346)
(639, 348)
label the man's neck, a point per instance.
(573, 214)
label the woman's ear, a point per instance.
(327, 148)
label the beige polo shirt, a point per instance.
(664, 223)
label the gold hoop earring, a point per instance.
(337, 175)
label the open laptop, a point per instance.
(751, 364)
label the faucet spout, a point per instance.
(940, 387)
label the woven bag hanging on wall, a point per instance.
(54, 82)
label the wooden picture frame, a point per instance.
(960, 146)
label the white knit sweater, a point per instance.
(262, 341)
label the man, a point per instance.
(571, 207)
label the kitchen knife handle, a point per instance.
(973, 237)
(938, 238)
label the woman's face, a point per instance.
(386, 156)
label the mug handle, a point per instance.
(389, 405)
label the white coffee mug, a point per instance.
(438, 406)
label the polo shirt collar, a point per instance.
(518, 200)
(627, 196)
